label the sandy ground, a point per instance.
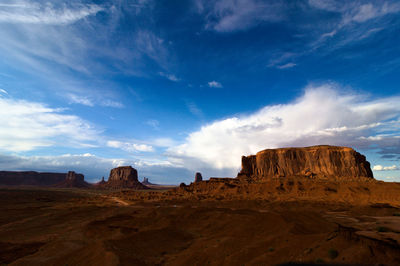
(85, 227)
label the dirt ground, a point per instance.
(86, 227)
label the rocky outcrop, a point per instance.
(30, 178)
(314, 162)
(146, 181)
(102, 182)
(123, 177)
(73, 180)
(198, 177)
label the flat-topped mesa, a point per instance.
(124, 177)
(314, 162)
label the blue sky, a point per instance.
(175, 87)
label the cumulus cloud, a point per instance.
(385, 168)
(48, 13)
(322, 115)
(214, 84)
(26, 125)
(130, 147)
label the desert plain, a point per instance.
(298, 220)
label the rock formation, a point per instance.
(314, 162)
(198, 177)
(30, 178)
(102, 182)
(123, 177)
(73, 180)
(146, 181)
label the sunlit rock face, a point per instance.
(314, 162)
(124, 177)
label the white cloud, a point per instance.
(171, 77)
(287, 65)
(385, 168)
(130, 147)
(73, 98)
(321, 116)
(80, 100)
(233, 15)
(27, 125)
(194, 109)
(214, 84)
(3, 91)
(351, 15)
(153, 123)
(35, 13)
(111, 103)
(389, 177)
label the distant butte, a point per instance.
(123, 177)
(320, 162)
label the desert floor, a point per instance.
(88, 227)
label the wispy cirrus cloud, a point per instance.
(236, 15)
(45, 13)
(91, 102)
(26, 125)
(353, 14)
(65, 44)
(171, 77)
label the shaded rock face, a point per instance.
(30, 178)
(198, 177)
(73, 180)
(314, 162)
(72, 176)
(124, 177)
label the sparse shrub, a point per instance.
(271, 249)
(333, 253)
(396, 214)
(382, 229)
(319, 260)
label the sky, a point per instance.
(176, 87)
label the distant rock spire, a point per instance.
(198, 177)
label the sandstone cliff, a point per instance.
(314, 162)
(123, 177)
